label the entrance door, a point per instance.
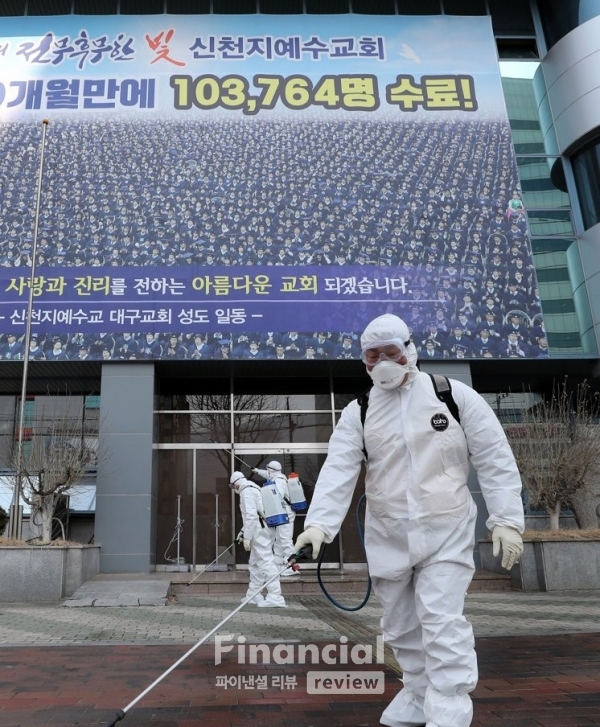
(196, 478)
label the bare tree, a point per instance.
(556, 444)
(54, 458)
(211, 420)
(3, 519)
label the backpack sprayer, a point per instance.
(303, 554)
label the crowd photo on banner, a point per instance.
(202, 207)
(439, 202)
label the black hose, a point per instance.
(361, 535)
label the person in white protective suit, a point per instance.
(420, 518)
(257, 540)
(283, 543)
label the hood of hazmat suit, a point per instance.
(389, 330)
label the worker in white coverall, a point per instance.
(283, 543)
(420, 518)
(258, 541)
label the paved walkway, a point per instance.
(539, 656)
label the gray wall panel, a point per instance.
(126, 501)
(126, 466)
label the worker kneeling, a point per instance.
(257, 539)
(420, 518)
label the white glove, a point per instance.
(511, 543)
(240, 537)
(311, 536)
(247, 544)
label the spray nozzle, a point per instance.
(304, 553)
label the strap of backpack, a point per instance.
(363, 402)
(443, 391)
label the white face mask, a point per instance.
(388, 374)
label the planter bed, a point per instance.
(561, 561)
(38, 574)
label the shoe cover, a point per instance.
(257, 600)
(454, 711)
(404, 710)
(273, 602)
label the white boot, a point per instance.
(273, 602)
(455, 710)
(404, 711)
(257, 600)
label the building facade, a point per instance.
(170, 413)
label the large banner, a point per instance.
(259, 187)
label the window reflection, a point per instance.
(586, 168)
(275, 428)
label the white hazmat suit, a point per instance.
(257, 539)
(283, 543)
(420, 518)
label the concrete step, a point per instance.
(337, 582)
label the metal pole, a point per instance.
(15, 525)
(122, 712)
(178, 527)
(216, 525)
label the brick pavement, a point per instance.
(525, 681)
(67, 667)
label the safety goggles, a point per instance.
(384, 350)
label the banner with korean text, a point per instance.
(259, 187)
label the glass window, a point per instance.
(197, 427)
(280, 428)
(564, 341)
(234, 7)
(521, 105)
(550, 244)
(511, 17)
(465, 7)
(552, 275)
(536, 184)
(586, 169)
(331, 7)
(141, 7)
(508, 406)
(293, 7)
(517, 48)
(95, 7)
(41, 7)
(416, 7)
(563, 305)
(556, 259)
(282, 386)
(550, 222)
(276, 402)
(179, 389)
(560, 17)
(188, 7)
(366, 7)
